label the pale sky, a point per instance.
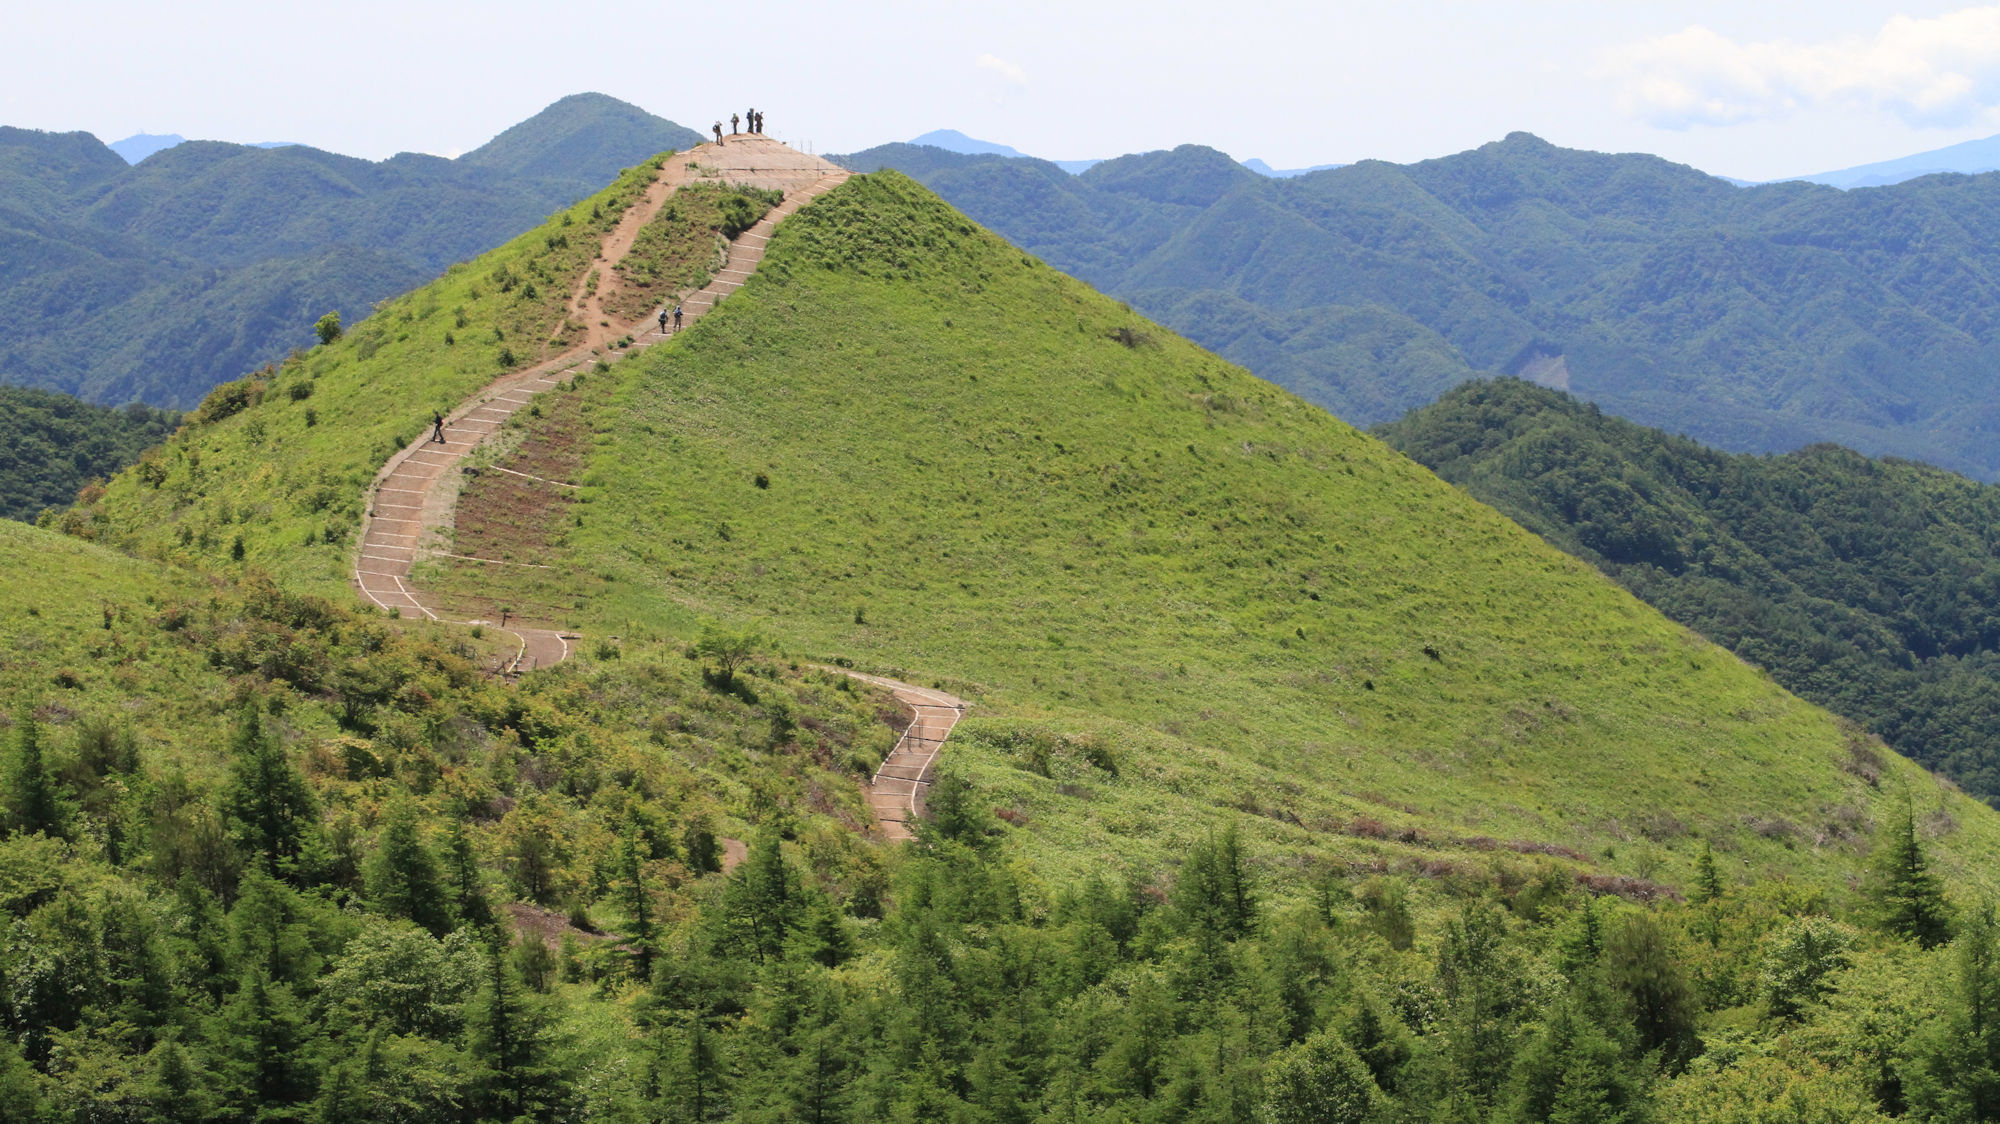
(1751, 89)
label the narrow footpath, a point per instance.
(896, 794)
(411, 504)
(410, 513)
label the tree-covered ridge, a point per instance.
(155, 282)
(1757, 319)
(51, 445)
(1869, 586)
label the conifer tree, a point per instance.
(762, 899)
(403, 878)
(1954, 1063)
(1213, 892)
(507, 1039)
(173, 1094)
(633, 852)
(468, 889)
(271, 811)
(1642, 971)
(258, 1052)
(688, 1073)
(1707, 882)
(1908, 899)
(1574, 1072)
(33, 803)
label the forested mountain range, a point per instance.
(1756, 319)
(1869, 586)
(154, 282)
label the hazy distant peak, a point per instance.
(1263, 169)
(951, 140)
(1970, 157)
(138, 146)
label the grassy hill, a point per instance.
(1757, 319)
(158, 281)
(1294, 777)
(1864, 585)
(907, 445)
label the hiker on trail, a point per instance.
(733, 129)
(718, 131)
(751, 118)
(677, 317)
(437, 428)
(663, 321)
(757, 122)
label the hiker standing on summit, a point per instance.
(734, 127)
(718, 131)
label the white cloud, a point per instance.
(1004, 69)
(1943, 71)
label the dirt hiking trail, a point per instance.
(411, 504)
(410, 508)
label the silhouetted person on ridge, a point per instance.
(718, 131)
(437, 428)
(759, 127)
(733, 124)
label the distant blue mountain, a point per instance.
(138, 146)
(1970, 157)
(1263, 169)
(951, 140)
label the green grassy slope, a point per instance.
(981, 472)
(1865, 585)
(278, 461)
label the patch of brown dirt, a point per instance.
(546, 925)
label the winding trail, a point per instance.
(896, 793)
(410, 506)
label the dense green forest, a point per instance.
(1758, 319)
(155, 282)
(329, 870)
(1869, 586)
(51, 445)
